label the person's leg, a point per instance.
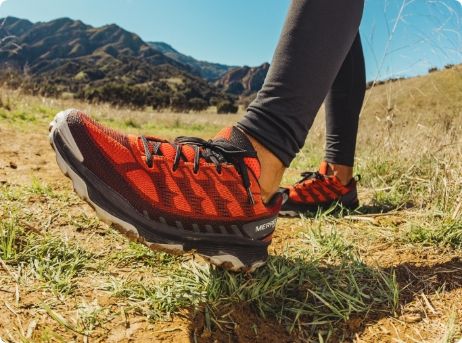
(315, 40)
(343, 106)
(333, 183)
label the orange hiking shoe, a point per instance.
(317, 190)
(187, 195)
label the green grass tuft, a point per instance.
(55, 262)
(10, 238)
(445, 233)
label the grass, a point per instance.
(57, 263)
(312, 292)
(437, 232)
(9, 239)
(307, 295)
(317, 284)
(453, 328)
(331, 275)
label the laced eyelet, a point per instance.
(216, 152)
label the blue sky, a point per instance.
(245, 32)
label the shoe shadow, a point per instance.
(294, 300)
(372, 208)
(381, 208)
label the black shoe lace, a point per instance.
(217, 152)
(311, 176)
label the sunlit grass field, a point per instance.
(388, 272)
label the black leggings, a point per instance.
(319, 57)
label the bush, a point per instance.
(179, 103)
(117, 94)
(198, 104)
(449, 66)
(226, 107)
(214, 101)
(432, 69)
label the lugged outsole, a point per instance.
(228, 262)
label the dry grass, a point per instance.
(389, 272)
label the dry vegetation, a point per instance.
(389, 272)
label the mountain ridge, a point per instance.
(104, 63)
(207, 70)
(241, 81)
(111, 64)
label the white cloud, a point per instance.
(459, 1)
(3, 1)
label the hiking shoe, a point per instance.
(317, 190)
(187, 195)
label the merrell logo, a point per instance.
(266, 226)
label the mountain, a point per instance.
(205, 70)
(243, 81)
(105, 63)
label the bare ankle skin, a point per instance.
(272, 170)
(342, 172)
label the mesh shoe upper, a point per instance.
(318, 188)
(179, 184)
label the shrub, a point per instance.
(117, 94)
(198, 104)
(214, 101)
(179, 103)
(432, 69)
(226, 107)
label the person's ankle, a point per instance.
(342, 172)
(272, 170)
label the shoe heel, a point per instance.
(236, 258)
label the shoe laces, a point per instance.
(311, 176)
(218, 152)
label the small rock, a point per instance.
(13, 165)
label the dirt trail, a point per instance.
(25, 155)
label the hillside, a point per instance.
(390, 271)
(243, 81)
(97, 64)
(206, 70)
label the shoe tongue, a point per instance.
(240, 139)
(324, 168)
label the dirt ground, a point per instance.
(430, 278)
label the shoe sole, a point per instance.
(244, 257)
